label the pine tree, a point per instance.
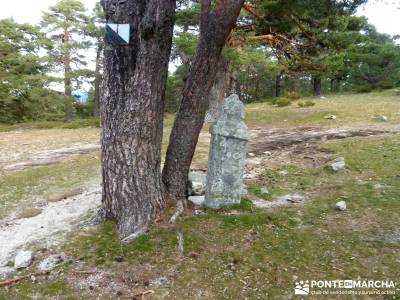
(65, 24)
(23, 73)
(95, 30)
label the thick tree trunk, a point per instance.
(217, 93)
(215, 27)
(317, 86)
(132, 106)
(332, 87)
(97, 82)
(67, 78)
(278, 85)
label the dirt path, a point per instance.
(35, 145)
(56, 217)
(280, 138)
(52, 156)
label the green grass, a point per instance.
(255, 254)
(74, 124)
(350, 109)
(19, 188)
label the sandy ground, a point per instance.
(55, 218)
(25, 145)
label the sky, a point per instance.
(384, 14)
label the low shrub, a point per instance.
(282, 102)
(292, 95)
(307, 103)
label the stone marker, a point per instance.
(226, 161)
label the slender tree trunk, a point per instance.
(317, 86)
(278, 84)
(332, 87)
(132, 106)
(97, 82)
(217, 93)
(67, 78)
(215, 27)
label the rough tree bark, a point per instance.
(217, 92)
(97, 83)
(132, 106)
(317, 86)
(215, 26)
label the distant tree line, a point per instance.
(277, 48)
(292, 47)
(34, 59)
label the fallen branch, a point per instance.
(84, 272)
(23, 277)
(141, 295)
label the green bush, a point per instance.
(292, 95)
(282, 102)
(307, 103)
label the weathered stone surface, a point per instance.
(197, 183)
(23, 259)
(197, 200)
(229, 137)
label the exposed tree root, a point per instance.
(23, 277)
(179, 210)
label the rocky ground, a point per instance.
(52, 177)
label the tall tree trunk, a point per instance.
(217, 93)
(332, 87)
(97, 82)
(132, 106)
(67, 78)
(317, 86)
(278, 84)
(215, 27)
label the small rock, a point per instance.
(341, 205)
(119, 258)
(23, 259)
(283, 172)
(197, 183)
(338, 164)
(51, 262)
(251, 154)
(330, 117)
(381, 118)
(322, 97)
(267, 153)
(264, 190)
(197, 200)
